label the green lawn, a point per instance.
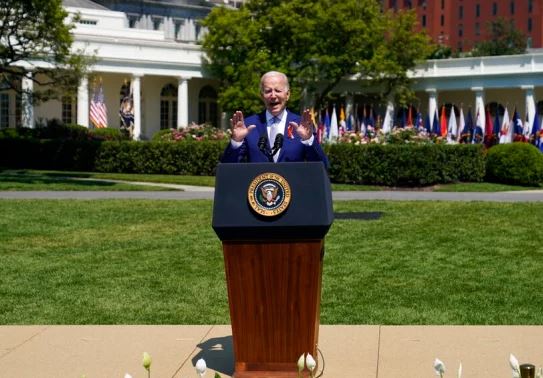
(159, 262)
(47, 180)
(63, 180)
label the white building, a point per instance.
(151, 46)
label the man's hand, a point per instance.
(305, 128)
(239, 130)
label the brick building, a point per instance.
(461, 23)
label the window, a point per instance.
(460, 12)
(207, 106)
(87, 22)
(4, 110)
(442, 21)
(477, 29)
(407, 4)
(168, 107)
(459, 46)
(512, 7)
(178, 27)
(460, 30)
(67, 110)
(494, 9)
(530, 6)
(423, 21)
(157, 23)
(477, 10)
(529, 25)
(442, 4)
(132, 21)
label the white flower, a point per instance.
(127, 375)
(201, 367)
(439, 367)
(301, 363)
(310, 362)
(146, 361)
(514, 366)
(460, 370)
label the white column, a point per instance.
(27, 106)
(530, 108)
(432, 104)
(136, 88)
(83, 102)
(480, 107)
(182, 102)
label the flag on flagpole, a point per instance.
(506, 131)
(535, 130)
(342, 123)
(461, 126)
(517, 127)
(428, 124)
(387, 122)
(478, 131)
(468, 133)
(334, 131)
(98, 109)
(443, 122)
(418, 122)
(488, 122)
(327, 123)
(362, 121)
(126, 110)
(410, 122)
(403, 120)
(436, 128)
(452, 129)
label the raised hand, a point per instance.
(305, 128)
(239, 130)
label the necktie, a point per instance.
(274, 128)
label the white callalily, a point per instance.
(460, 370)
(439, 367)
(301, 363)
(310, 362)
(201, 367)
(515, 367)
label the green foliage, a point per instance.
(159, 157)
(405, 165)
(515, 163)
(39, 30)
(503, 39)
(315, 43)
(108, 134)
(193, 132)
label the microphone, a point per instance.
(263, 147)
(277, 144)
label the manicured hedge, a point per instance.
(405, 165)
(391, 165)
(515, 163)
(186, 158)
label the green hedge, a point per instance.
(405, 165)
(515, 163)
(390, 165)
(188, 158)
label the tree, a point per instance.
(316, 43)
(503, 39)
(35, 37)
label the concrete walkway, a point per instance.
(347, 351)
(208, 193)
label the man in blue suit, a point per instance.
(255, 139)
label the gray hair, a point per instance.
(274, 73)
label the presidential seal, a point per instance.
(269, 194)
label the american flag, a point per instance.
(98, 109)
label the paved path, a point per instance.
(358, 351)
(207, 193)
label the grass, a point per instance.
(159, 262)
(44, 180)
(61, 180)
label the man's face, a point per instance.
(275, 94)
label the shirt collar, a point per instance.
(281, 116)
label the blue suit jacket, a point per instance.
(293, 149)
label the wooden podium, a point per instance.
(273, 264)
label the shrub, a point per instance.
(515, 163)
(405, 164)
(108, 134)
(190, 133)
